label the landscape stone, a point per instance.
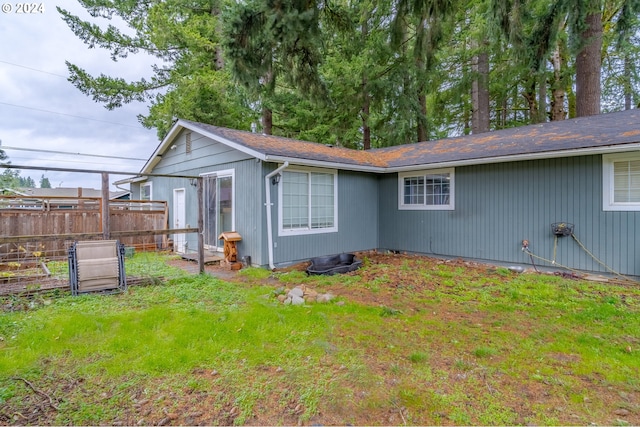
(324, 297)
(296, 292)
(297, 300)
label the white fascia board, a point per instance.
(521, 157)
(322, 164)
(156, 157)
(130, 180)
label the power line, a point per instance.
(69, 152)
(32, 69)
(55, 112)
(69, 115)
(62, 161)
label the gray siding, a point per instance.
(357, 222)
(209, 156)
(204, 153)
(499, 205)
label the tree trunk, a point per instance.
(423, 134)
(627, 82)
(366, 130)
(588, 65)
(532, 102)
(366, 98)
(557, 87)
(480, 93)
(466, 119)
(504, 112)
(267, 121)
(421, 76)
(267, 114)
(542, 97)
(219, 53)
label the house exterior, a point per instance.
(475, 197)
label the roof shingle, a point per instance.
(605, 130)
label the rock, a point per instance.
(340, 303)
(282, 297)
(297, 292)
(297, 300)
(324, 297)
(310, 293)
(287, 301)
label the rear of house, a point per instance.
(475, 197)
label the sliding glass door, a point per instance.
(218, 207)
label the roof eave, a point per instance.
(324, 164)
(521, 157)
(130, 180)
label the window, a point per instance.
(621, 182)
(308, 202)
(429, 190)
(145, 191)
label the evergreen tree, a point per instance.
(427, 24)
(189, 81)
(533, 29)
(269, 40)
(44, 182)
(26, 182)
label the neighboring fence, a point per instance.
(47, 224)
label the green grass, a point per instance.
(449, 346)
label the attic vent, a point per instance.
(188, 142)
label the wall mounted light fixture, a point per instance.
(275, 180)
(193, 181)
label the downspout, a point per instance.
(268, 205)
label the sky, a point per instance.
(41, 110)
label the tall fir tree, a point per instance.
(188, 81)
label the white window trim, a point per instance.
(298, 232)
(222, 174)
(150, 185)
(608, 182)
(449, 207)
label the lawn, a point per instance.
(407, 340)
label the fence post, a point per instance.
(200, 190)
(106, 231)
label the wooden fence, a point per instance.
(47, 224)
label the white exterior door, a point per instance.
(179, 219)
